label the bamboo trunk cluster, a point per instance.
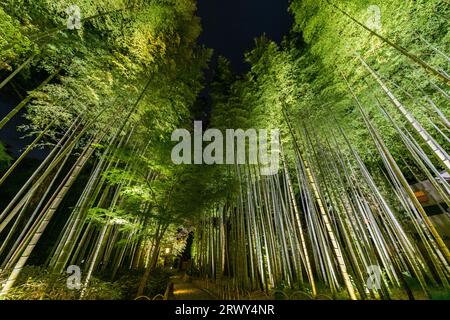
(333, 231)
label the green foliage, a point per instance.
(103, 66)
(36, 283)
(333, 43)
(10, 34)
(113, 217)
(156, 285)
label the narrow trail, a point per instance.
(184, 289)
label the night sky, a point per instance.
(14, 140)
(230, 26)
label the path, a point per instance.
(186, 290)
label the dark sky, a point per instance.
(230, 26)
(14, 141)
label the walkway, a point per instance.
(184, 289)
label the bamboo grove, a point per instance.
(363, 114)
(105, 111)
(361, 124)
